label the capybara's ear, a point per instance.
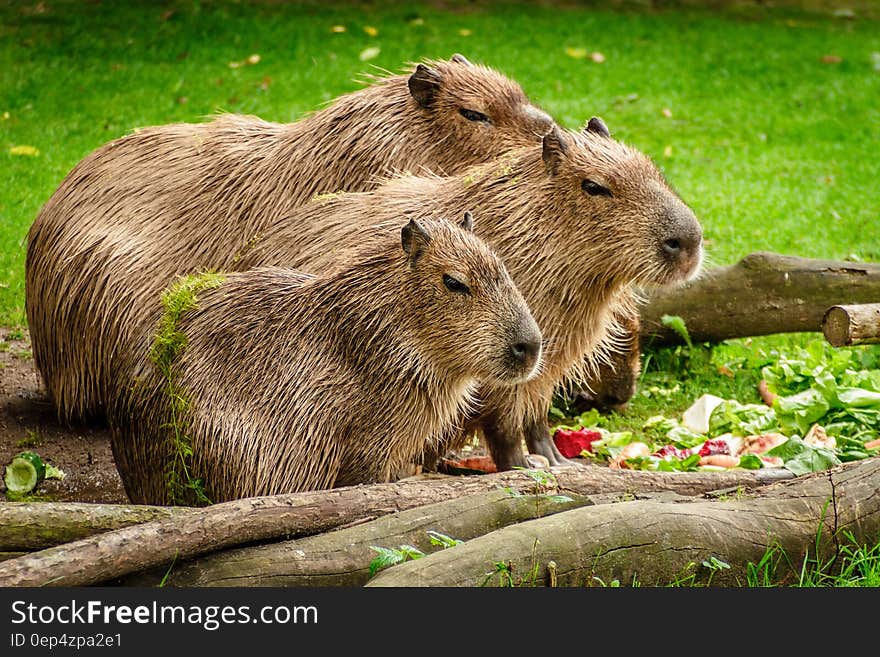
(597, 126)
(467, 221)
(554, 149)
(424, 84)
(415, 240)
(458, 58)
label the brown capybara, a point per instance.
(616, 378)
(293, 382)
(174, 199)
(578, 221)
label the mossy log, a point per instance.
(657, 543)
(36, 525)
(342, 557)
(763, 293)
(120, 552)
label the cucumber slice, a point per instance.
(25, 473)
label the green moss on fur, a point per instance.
(169, 342)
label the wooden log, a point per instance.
(763, 293)
(342, 557)
(657, 543)
(37, 525)
(844, 326)
(200, 531)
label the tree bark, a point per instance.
(848, 325)
(37, 525)
(200, 531)
(342, 557)
(763, 293)
(657, 543)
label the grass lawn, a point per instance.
(766, 121)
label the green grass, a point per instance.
(772, 147)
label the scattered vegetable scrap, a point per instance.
(571, 442)
(821, 408)
(27, 471)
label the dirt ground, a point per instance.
(28, 422)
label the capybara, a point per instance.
(175, 199)
(616, 379)
(578, 221)
(291, 382)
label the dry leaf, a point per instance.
(253, 59)
(832, 59)
(597, 57)
(576, 53)
(667, 112)
(24, 150)
(464, 32)
(183, 100)
(338, 29)
(234, 64)
(667, 152)
(372, 31)
(5, 116)
(264, 85)
(167, 14)
(417, 21)
(369, 53)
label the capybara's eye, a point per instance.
(472, 115)
(594, 189)
(455, 285)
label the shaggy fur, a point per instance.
(298, 383)
(575, 256)
(174, 199)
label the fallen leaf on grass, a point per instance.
(464, 32)
(831, 59)
(338, 29)
(369, 53)
(667, 112)
(576, 53)
(30, 151)
(249, 61)
(370, 30)
(597, 57)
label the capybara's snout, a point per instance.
(681, 243)
(524, 349)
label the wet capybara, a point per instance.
(578, 220)
(174, 199)
(291, 382)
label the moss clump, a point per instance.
(168, 343)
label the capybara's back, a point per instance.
(273, 381)
(175, 199)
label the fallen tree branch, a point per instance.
(181, 536)
(848, 325)
(342, 557)
(37, 525)
(656, 543)
(763, 293)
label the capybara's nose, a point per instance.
(683, 245)
(525, 349)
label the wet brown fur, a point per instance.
(575, 257)
(299, 383)
(175, 199)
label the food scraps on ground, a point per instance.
(25, 472)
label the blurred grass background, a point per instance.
(765, 119)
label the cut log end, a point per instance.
(844, 326)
